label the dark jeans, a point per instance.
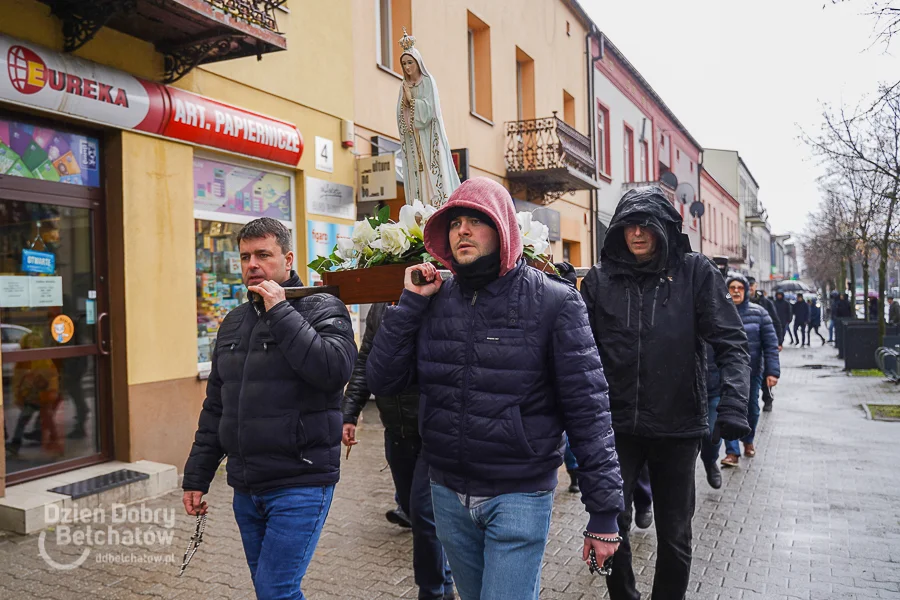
(410, 473)
(671, 464)
(280, 530)
(815, 330)
(803, 338)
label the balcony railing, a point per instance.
(187, 32)
(548, 158)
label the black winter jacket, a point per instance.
(843, 310)
(767, 304)
(785, 314)
(801, 312)
(650, 323)
(399, 413)
(274, 395)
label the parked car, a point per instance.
(10, 338)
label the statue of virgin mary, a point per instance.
(428, 172)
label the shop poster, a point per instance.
(43, 153)
(322, 238)
(230, 189)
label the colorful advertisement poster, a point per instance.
(43, 153)
(322, 238)
(224, 188)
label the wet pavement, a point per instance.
(815, 516)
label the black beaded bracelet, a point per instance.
(615, 540)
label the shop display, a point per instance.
(219, 285)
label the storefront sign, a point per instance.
(43, 153)
(329, 199)
(376, 178)
(225, 188)
(35, 76)
(38, 262)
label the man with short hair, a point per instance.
(654, 304)
(506, 364)
(273, 408)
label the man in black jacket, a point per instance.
(403, 451)
(785, 312)
(800, 310)
(652, 304)
(273, 408)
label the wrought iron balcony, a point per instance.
(547, 158)
(668, 191)
(187, 32)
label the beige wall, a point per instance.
(538, 27)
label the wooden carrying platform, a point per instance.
(367, 286)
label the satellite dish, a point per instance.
(697, 209)
(685, 192)
(669, 179)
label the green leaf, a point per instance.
(320, 265)
(384, 215)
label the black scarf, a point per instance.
(478, 273)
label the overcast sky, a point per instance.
(747, 76)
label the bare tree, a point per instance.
(863, 149)
(886, 14)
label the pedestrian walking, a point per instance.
(273, 408)
(801, 321)
(893, 311)
(873, 309)
(832, 314)
(403, 450)
(505, 363)
(815, 320)
(843, 309)
(765, 367)
(652, 303)
(758, 298)
(785, 314)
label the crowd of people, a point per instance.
(486, 384)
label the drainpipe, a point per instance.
(592, 132)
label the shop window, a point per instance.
(645, 161)
(603, 139)
(227, 196)
(628, 152)
(391, 17)
(524, 85)
(568, 108)
(572, 252)
(480, 94)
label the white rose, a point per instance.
(393, 239)
(535, 234)
(363, 235)
(346, 249)
(413, 218)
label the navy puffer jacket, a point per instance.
(503, 372)
(760, 334)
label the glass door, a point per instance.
(54, 326)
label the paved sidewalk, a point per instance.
(815, 516)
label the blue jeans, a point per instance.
(495, 549)
(732, 447)
(410, 474)
(280, 530)
(709, 452)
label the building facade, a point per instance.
(124, 174)
(639, 139)
(720, 224)
(509, 81)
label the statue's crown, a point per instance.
(407, 41)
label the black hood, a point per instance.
(647, 205)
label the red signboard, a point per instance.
(64, 84)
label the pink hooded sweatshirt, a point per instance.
(491, 198)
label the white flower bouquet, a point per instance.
(379, 241)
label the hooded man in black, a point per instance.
(652, 304)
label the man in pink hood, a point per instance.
(505, 362)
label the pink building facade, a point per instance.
(638, 137)
(721, 234)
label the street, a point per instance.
(814, 516)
